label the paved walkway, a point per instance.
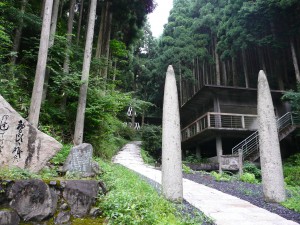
(224, 209)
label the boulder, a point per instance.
(63, 218)
(33, 200)
(21, 144)
(80, 195)
(9, 217)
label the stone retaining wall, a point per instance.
(37, 200)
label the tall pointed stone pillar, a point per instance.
(171, 141)
(270, 157)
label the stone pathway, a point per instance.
(224, 209)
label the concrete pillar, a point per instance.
(219, 150)
(171, 143)
(198, 152)
(270, 157)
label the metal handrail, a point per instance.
(251, 143)
(212, 120)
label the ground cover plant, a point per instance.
(131, 200)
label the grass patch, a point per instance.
(131, 200)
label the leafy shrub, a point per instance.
(151, 137)
(294, 198)
(249, 178)
(186, 169)
(62, 155)
(291, 170)
(221, 176)
(249, 167)
(292, 175)
(147, 158)
(15, 173)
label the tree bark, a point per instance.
(101, 31)
(79, 126)
(79, 23)
(106, 41)
(180, 86)
(36, 98)
(51, 43)
(218, 73)
(224, 73)
(244, 58)
(234, 74)
(66, 66)
(18, 35)
(295, 60)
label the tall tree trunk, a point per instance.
(18, 35)
(36, 98)
(43, 8)
(262, 60)
(79, 23)
(244, 58)
(218, 73)
(224, 73)
(66, 65)
(79, 126)
(295, 60)
(180, 86)
(234, 74)
(51, 43)
(106, 42)
(101, 30)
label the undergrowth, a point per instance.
(131, 200)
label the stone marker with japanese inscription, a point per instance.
(80, 160)
(21, 144)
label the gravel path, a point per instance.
(249, 192)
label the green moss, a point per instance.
(90, 221)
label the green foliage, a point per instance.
(249, 167)
(187, 169)
(293, 201)
(221, 176)
(194, 159)
(16, 173)
(147, 158)
(292, 175)
(151, 137)
(249, 178)
(294, 98)
(131, 200)
(291, 170)
(62, 155)
(48, 174)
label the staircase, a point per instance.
(250, 146)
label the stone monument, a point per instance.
(270, 157)
(80, 160)
(171, 141)
(21, 144)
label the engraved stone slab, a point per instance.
(21, 144)
(80, 159)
